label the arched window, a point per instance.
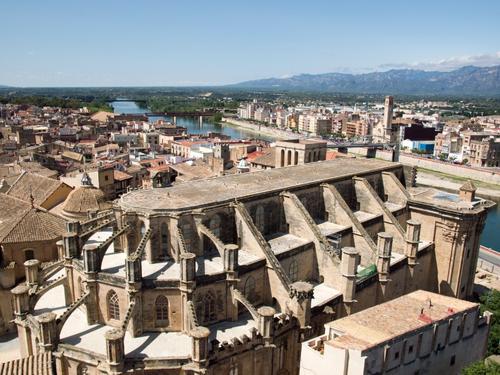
(113, 306)
(215, 225)
(164, 239)
(142, 228)
(82, 369)
(289, 159)
(209, 313)
(282, 159)
(250, 289)
(293, 270)
(296, 157)
(161, 311)
(260, 218)
(29, 254)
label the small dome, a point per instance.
(84, 199)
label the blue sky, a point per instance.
(179, 43)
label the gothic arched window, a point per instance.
(113, 305)
(260, 218)
(209, 313)
(161, 311)
(164, 239)
(293, 270)
(142, 229)
(250, 289)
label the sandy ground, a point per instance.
(9, 347)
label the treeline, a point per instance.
(188, 103)
(92, 104)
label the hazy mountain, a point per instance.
(469, 80)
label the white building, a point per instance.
(418, 333)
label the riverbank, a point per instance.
(267, 131)
(452, 183)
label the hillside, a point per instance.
(469, 80)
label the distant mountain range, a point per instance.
(466, 81)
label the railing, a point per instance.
(213, 237)
(182, 242)
(86, 235)
(66, 314)
(193, 319)
(266, 249)
(325, 246)
(103, 247)
(49, 269)
(356, 224)
(128, 316)
(89, 224)
(49, 285)
(381, 204)
(238, 296)
(142, 245)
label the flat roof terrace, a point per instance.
(200, 193)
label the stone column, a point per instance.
(302, 293)
(265, 323)
(31, 268)
(60, 249)
(49, 338)
(231, 268)
(90, 260)
(200, 347)
(133, 273)
(348, 269)
(115, 352)
(21, 309)
(21, 301)
(384, 250)
(187, 284)
(412, 241)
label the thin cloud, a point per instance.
(450, 63)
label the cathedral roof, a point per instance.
(194, 194)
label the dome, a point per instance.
(84, 199)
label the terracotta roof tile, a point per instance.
(30, 183)
(40, 364)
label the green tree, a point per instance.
(481, 368)
(491, 302)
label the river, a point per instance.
(491, 234)
(191, 123)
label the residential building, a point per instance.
(418, 333)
